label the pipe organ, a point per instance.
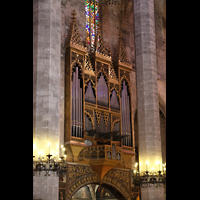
(97, 93)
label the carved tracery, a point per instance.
(77, 177)
(119, 179)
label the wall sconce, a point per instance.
(149, 178)
(48, 165)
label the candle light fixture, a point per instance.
(48, 165)
(150, 178)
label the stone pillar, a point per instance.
(147, 94)
(45, 187)
(46, 90)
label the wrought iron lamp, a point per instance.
(49, 165)
(149, 178)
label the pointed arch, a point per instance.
(120, 180)
(124, 78)
(88, 120)
(116, 126)
(102, 91)
(104, 74)
(114, 99)
(78, 176)
(90, 95)
(76, 62)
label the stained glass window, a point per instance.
(92, 21)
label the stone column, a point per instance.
(147, 94)
(92, 191)
(46, 90)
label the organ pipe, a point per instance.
(72, 108)
(129, 127)
(102, 91)
(114, 101)
(81, 120)
(123, 119)
(128, 122)
(76, 98)
(89, 95)
(125, 114)
(76, 106)
(78, 134)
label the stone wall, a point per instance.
(160, 27)
(115, 18)
(45, 187)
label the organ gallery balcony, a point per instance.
(104, 154)
(102, 158)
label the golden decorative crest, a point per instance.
(119, 179)
(79, 175)
(106, 118)
(98, 116)
(91, 118)
(73, 35)
(113, 123)
(88, 65)
(112, 74)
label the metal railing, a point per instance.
(104, 152)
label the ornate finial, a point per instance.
(88, 64)
(74, 14)
(106, 117)
(112, 73)
(73, 33)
